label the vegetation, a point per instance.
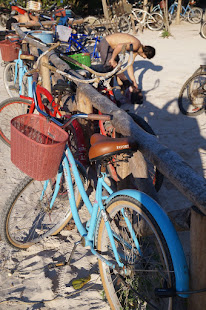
(165, 34)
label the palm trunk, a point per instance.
(178, 12)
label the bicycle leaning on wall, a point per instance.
(192, 97)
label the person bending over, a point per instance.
(20, 18)
(109, 49)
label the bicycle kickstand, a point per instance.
(73, 250)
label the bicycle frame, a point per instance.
(97, 210)
(184, 9)
(78, 39)
(21, 69)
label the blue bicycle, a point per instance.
(81, 43)
(140, 256)
(192, 14)
(15, 82)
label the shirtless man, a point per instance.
(111, 46)
(20, 18)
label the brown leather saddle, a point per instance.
(103, 147)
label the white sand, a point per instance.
(161, 80)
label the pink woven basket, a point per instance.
(37, 146)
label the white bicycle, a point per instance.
(153, 21)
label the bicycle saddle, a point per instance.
(103, 146)
(27, 57)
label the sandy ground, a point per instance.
(33, 285)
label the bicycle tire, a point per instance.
(8, 78)
(192, 96)
(25, 220)
(3, 20)
(145, 277)
(203, 30)
(155, 21)
(9, 109)
(195, 15)
(124, 24)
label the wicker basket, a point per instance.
(37, 146)
(9, 50)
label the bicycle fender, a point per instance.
(170, 235)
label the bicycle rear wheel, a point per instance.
(192, 97)
(124, 24)
(151, 269)
(155, 21)
(9, 109)
(195, 15)
(26, 217)
(11, 84)
(203, 30)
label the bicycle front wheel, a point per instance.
(11, 83)
(192, 97)
(27, 218)
(203, 30)
(9, 109)
(151, 269)
(195, 15)
(155, 21)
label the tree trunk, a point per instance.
(178, 12)
(145, 2)
(166, 20)
(105, 9)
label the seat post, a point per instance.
(101, 168)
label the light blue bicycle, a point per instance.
(140, 256)
(15, 81)
(192, 14)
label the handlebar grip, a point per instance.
(99, 117)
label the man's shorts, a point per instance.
(106, 51)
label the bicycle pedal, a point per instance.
(54, 265)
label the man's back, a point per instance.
(119, 38)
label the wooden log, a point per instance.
(37, 24)
(45, 74)
(197, 259)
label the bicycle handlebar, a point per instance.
(69, 76)
(98, 75)
(72, 118)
